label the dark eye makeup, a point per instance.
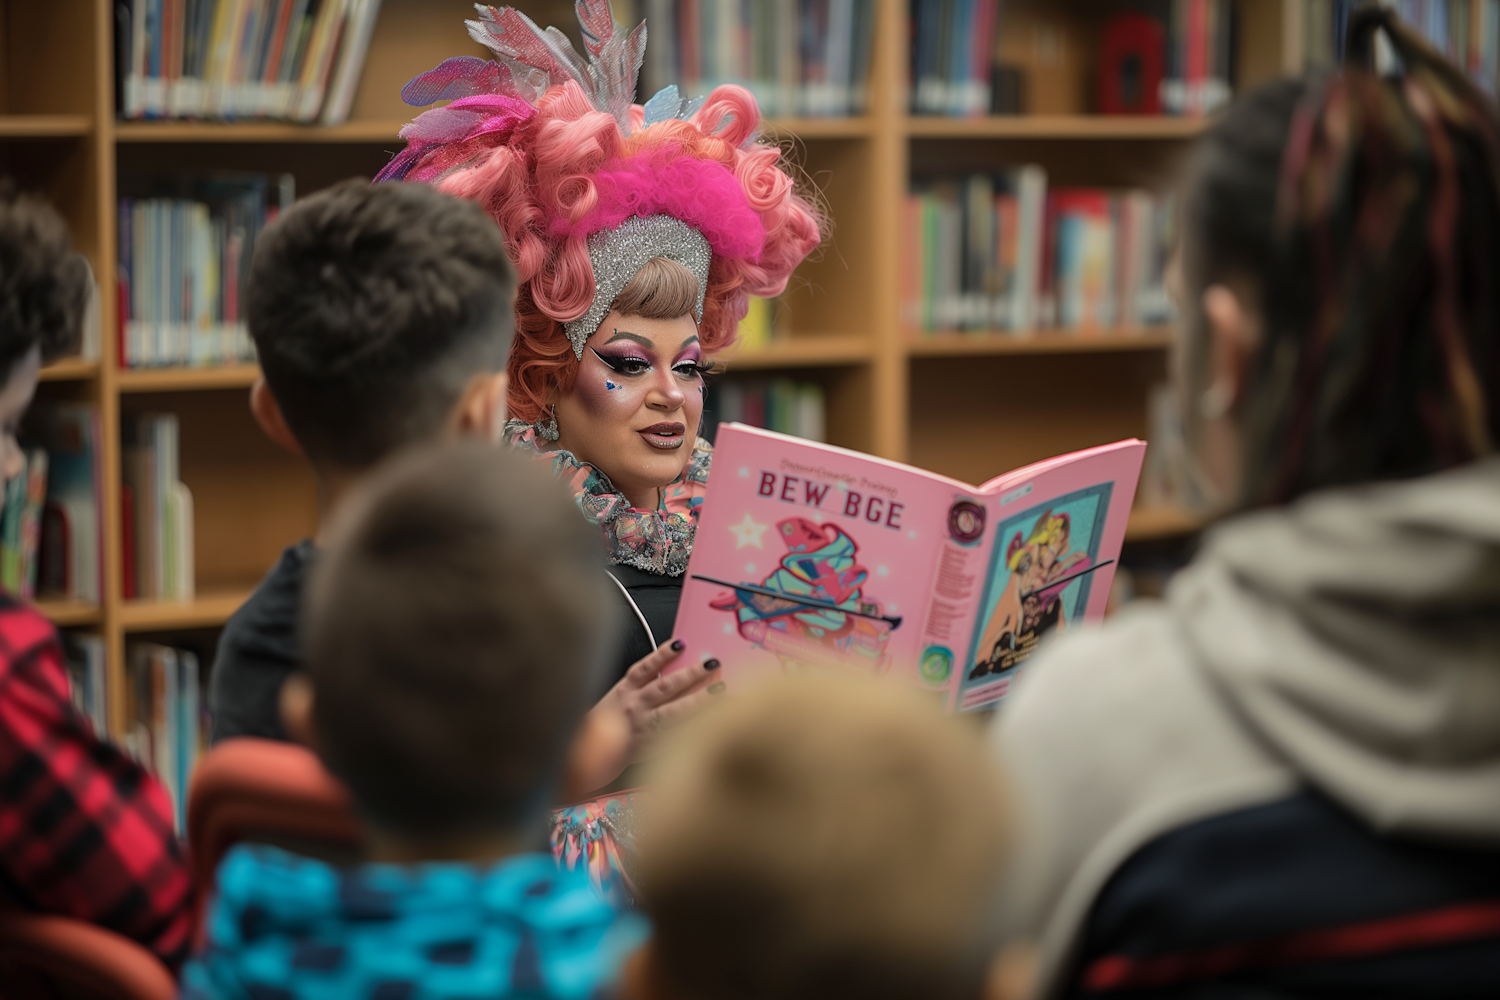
(631, 364)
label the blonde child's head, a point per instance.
(822, 837)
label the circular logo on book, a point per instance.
(966, 522)
(936, 664)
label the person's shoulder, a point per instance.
(22, 627)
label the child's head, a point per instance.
(456, 631)
(1338, 266)
(382, 316)
(44, 290)
(824, 838)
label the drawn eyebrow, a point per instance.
(626, 335)
(691, 340)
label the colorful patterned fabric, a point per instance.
(288, 927)
(84, 830)
(657, 541)
(598, 837)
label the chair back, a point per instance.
(266, 792)
(48, 957)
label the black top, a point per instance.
(657, 597)
(258, 648)
(258, 651)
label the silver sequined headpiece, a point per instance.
(617, 256)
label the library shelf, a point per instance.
(1151, 524)
(208, 610)
(63, 612)
(800, 352)
(257, 131)
(44, 126)
(184, 379)
(69, 370)
(378, 131)
(946, 345)
(1055, 127)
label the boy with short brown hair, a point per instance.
(822, 838)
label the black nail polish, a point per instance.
(710, 664)
(717, 688)
(677, 645)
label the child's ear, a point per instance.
(597, 755)
(268, 415)
(481, 410)
(297, 710)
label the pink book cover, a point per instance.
(811, 557)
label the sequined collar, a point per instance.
(657, 541)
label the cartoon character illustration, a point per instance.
(833, 623)
(1041, 568)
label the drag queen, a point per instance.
(638, 233)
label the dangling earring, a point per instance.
(1215, 401)
(547, 429)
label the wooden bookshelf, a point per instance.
(965, 404)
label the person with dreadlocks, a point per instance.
(1284, 779)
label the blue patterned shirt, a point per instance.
(284, 927)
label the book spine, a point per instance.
(351, 62)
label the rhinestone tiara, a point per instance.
(617, 256)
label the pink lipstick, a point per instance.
(667, 435)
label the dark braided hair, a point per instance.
(1366, 212)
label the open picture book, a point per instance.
(812, 557)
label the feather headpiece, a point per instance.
(550, 143)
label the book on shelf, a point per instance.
(164, 708)
(814, 557)
(755, 330)
(1466, 31)
(157, 512)
(70, 562)
(295, 60)
(83, 654)
(778, 404)
(1200, 56)
(21, 524)
(799, 57)
(1005, 252)
(183, 262)
(953, 56)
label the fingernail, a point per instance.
(716, 688)
(677, 645)
(710, 664)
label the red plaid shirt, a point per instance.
(84, 830)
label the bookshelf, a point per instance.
(968, 404)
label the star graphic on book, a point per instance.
(748, 532)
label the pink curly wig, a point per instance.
(553, 174)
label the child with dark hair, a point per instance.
(84, 831)
(1284, 780)
(458, 625)
(382, 317)
(820, 838)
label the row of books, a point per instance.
(799, 57)
(778, 404)
(1003, 252)
(83, 654)
(164, 709)
(1199, 57)
(298, 60)
(49, 518)
(1467, 31)
(156, 512)
(183, 265)
(953, 56)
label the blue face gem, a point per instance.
(610, 385)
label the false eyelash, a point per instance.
(617, 365)
(705, 368)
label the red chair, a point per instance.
(46, 956)
(270, 793)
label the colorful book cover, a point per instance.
(809, 556)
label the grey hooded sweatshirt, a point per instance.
(1346, 648)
